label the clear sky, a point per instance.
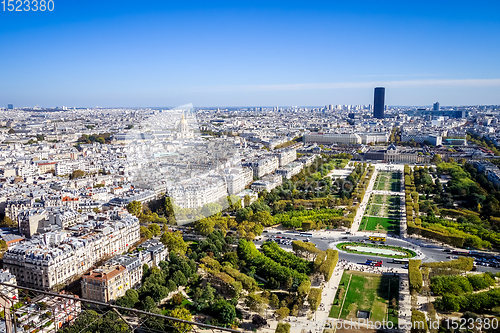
(236, 53)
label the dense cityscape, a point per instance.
(249, 166)
(251, 218)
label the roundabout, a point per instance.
(387, 251)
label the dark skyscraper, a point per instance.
(435, 106)
(379, 103)
(10, 106)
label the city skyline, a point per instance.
(249, 54)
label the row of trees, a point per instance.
(287, 277)
(458, 285)
(414, 275)
(285, 258)
(413, 218)
(100, 138)
(478, 302)
(295, 219)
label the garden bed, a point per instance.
(379, 250)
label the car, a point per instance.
(448, 257)
(344, 237)
(265, 231)
(405, 266)
(323, 237)
(455, 257)
(279, 233)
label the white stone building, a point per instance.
(56, 258)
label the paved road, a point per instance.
(323, 239)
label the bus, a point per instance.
(401, 261)
(306, 234)
(460, 253)
(376, 239)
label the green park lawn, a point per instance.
(388, 182)
(366, 291)
(379, 199)
(379, 224)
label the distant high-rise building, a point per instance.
(435, 106)
(379, 103)
(10, 106)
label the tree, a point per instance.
(304, 288)
(274, 301)
(263, 218)
(155, 229)
(210, 209)
(135, 208)
(133, 295)
(184, 314)
(314, 298)
(436, 159)
(282, 313)
(7, 222)
(145, 232)
(283, 328)
(205, 226)
(177, 299)
(179, 278)
(174, 242)
(246, 200)
(149, 304)
(203, 297)
(224, 311)
(171, 285)
(76, 174)
(255, 302)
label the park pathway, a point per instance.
(361, 210)
(404, 302)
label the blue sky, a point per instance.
(236, 53)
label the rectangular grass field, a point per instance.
(379, 224)
(369, 292)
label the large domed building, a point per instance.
(184, 132)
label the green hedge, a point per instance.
(327, 267)
(414, 275)
(419, 323)
(320, 258)
(285, 258)
(463, 264)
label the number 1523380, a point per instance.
(27, 5)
